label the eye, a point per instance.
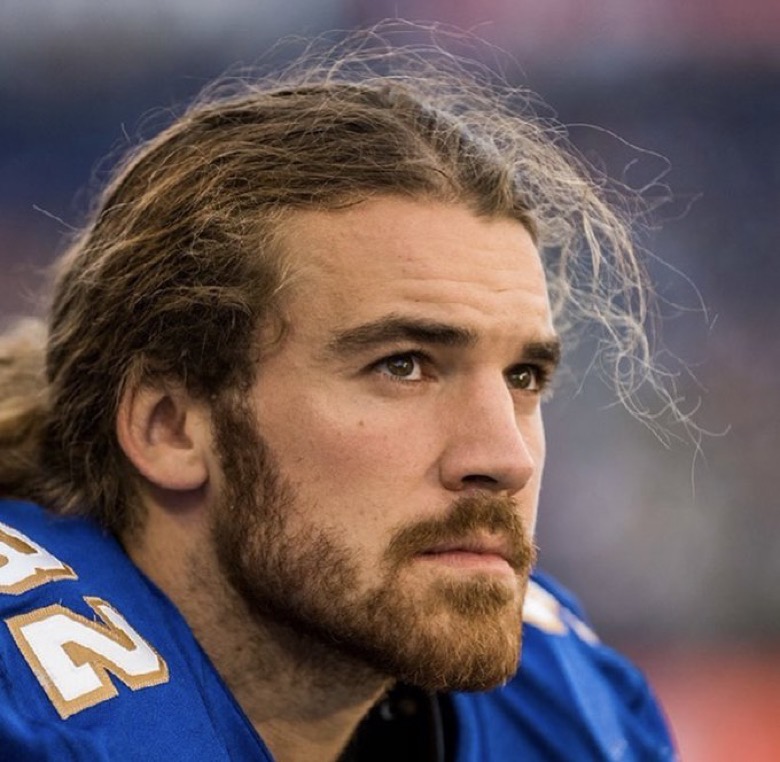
(526, 377)
(402, 367)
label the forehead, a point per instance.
(395, 255)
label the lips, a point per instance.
(482, 550)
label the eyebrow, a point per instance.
(395, 328)
(547, 352)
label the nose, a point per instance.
(491, 444)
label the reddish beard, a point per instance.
(450, 633)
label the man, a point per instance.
(287, 426)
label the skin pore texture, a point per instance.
(366, 513)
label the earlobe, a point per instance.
(165, 434)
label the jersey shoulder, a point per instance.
(95, 662)
(573, 697)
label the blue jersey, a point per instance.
(97, 664)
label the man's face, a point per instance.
(383, 495)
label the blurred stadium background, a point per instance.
(676, 555)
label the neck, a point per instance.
(303, 697)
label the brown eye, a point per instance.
(406, 367)
(524, 377)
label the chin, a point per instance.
(457, 637)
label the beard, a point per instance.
(440, 634)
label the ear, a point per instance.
(166, 435)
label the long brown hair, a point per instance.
(179, 264)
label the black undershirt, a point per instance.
(407, 724)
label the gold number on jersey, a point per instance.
(24, 564)
(543, 611)
(72, 657)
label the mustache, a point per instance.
(469, 515)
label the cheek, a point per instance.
(364, 453)
(354, 479)
(337, 450)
